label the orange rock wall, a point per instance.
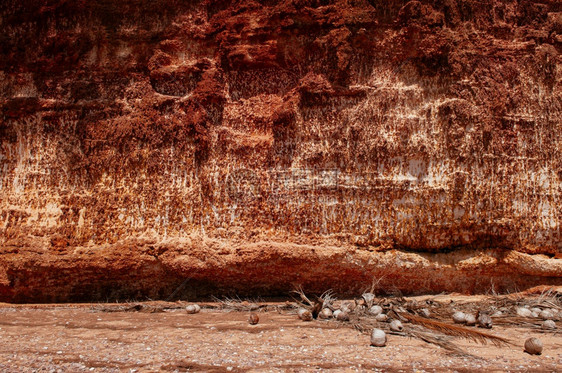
(250, 146)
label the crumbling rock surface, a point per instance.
(167, 148)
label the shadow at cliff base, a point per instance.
(273, 271)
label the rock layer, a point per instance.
(252, 146)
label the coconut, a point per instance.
(369, 298)
(533, 346)
(459, 317)
(546, 315)
(470, 319)
(381, 317)
(326, 313)
(254, 318)
(304, 314)
(523, 312)
(378, 338)
(396, 326)
(375, 310)
(192, 308)
(485, 321)
(343, 316)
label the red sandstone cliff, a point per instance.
(249, 146)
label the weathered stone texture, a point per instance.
(250, 146)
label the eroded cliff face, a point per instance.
(250, 146)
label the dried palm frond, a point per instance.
(517, 321)
(327, 298)
(305, 302)
(456, 330)
(439, 340)
(237, 304)
(374, 284)
(366, 325)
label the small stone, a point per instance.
(425, 312)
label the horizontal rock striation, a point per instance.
(173, 148)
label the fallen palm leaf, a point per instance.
(365, 326)
(304, 299)
(438, 340)
(456, 330)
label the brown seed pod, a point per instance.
(192, 308)
(533, 346)
(254, 318)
